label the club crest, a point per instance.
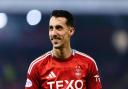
(78, 70)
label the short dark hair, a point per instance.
(65, 14)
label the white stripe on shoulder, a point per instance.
(37, 60)
(83, 54)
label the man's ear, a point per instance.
(72, 30)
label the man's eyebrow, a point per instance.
(59, 26)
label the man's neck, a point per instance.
(62, 53)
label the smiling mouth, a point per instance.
(55, 39)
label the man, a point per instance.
(62, 67)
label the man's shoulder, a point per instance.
(39, 60)
(84, 56)
(42, 57)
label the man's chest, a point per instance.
(58, 76)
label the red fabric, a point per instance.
(76, 72)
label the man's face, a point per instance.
(59, 32)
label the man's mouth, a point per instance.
(55, 38)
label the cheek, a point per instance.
(66, 36)
(49, 35)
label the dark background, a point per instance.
(21, 43)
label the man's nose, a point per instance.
(54, 32)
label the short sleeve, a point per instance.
(93, 78)
(32, 81)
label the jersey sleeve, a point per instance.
(93, 78)
(32, 81)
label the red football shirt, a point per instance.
(79, 71)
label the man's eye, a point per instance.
(59, 27)
(50, 27)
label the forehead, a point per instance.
(57, 21)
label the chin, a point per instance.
(57, 46)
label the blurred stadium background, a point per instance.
(101, 32)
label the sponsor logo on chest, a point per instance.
(72, 84)
(65, 84)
